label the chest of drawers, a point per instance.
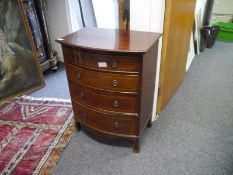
(111, 75)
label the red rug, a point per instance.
(33, 133)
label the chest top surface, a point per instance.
(112, 40)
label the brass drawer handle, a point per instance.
(81, 94)
(114, 83)
(114, 64)
(78, 76)
(116, 125)
(115, 104)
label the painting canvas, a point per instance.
(19, 68)
(197, 32)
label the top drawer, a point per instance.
(124, 64)
(223, 7)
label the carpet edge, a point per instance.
(46, 98)
(53, 158)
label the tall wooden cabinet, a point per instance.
(36, 14)
(111, 75)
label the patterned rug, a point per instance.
(33, 133)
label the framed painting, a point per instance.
(20, 71)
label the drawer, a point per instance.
(105, 122)
(103, 81)
(221, 18)
(223, 7)
(103, 100)
(101, 62)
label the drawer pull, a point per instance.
(78, 76)
(116, 125)
(81, 94)
(115, 104)
(114, 64)
(114, 83)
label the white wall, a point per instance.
(105, 13)
(191, 53)
(60, 13)
(57, 22)
(199, 10)
(200, 6)
(148, 15)
(88, 13)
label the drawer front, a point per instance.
(219, 18)
(103, 81)
(102, 100)
(223, 7)
(112, 63)
(105, 122)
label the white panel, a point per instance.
(200, 8)
(200, 4)
(104, 13)
(148, 15)
(57, 22)
(191, 53)
(73, 15)
(88, 13)
(140, 15)
(157, 15)
(156, 25)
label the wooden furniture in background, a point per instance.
(36, 14)
(111, 75)
(179, 17)
(124, 14)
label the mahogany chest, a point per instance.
(111, 75)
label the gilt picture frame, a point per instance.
(20, 71)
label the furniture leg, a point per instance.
(149, 123)
(78, 126)
(136, 146)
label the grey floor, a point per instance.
(56, 85)
(193, 135)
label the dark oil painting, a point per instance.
(19, 67)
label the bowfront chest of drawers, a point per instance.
(111, 75)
